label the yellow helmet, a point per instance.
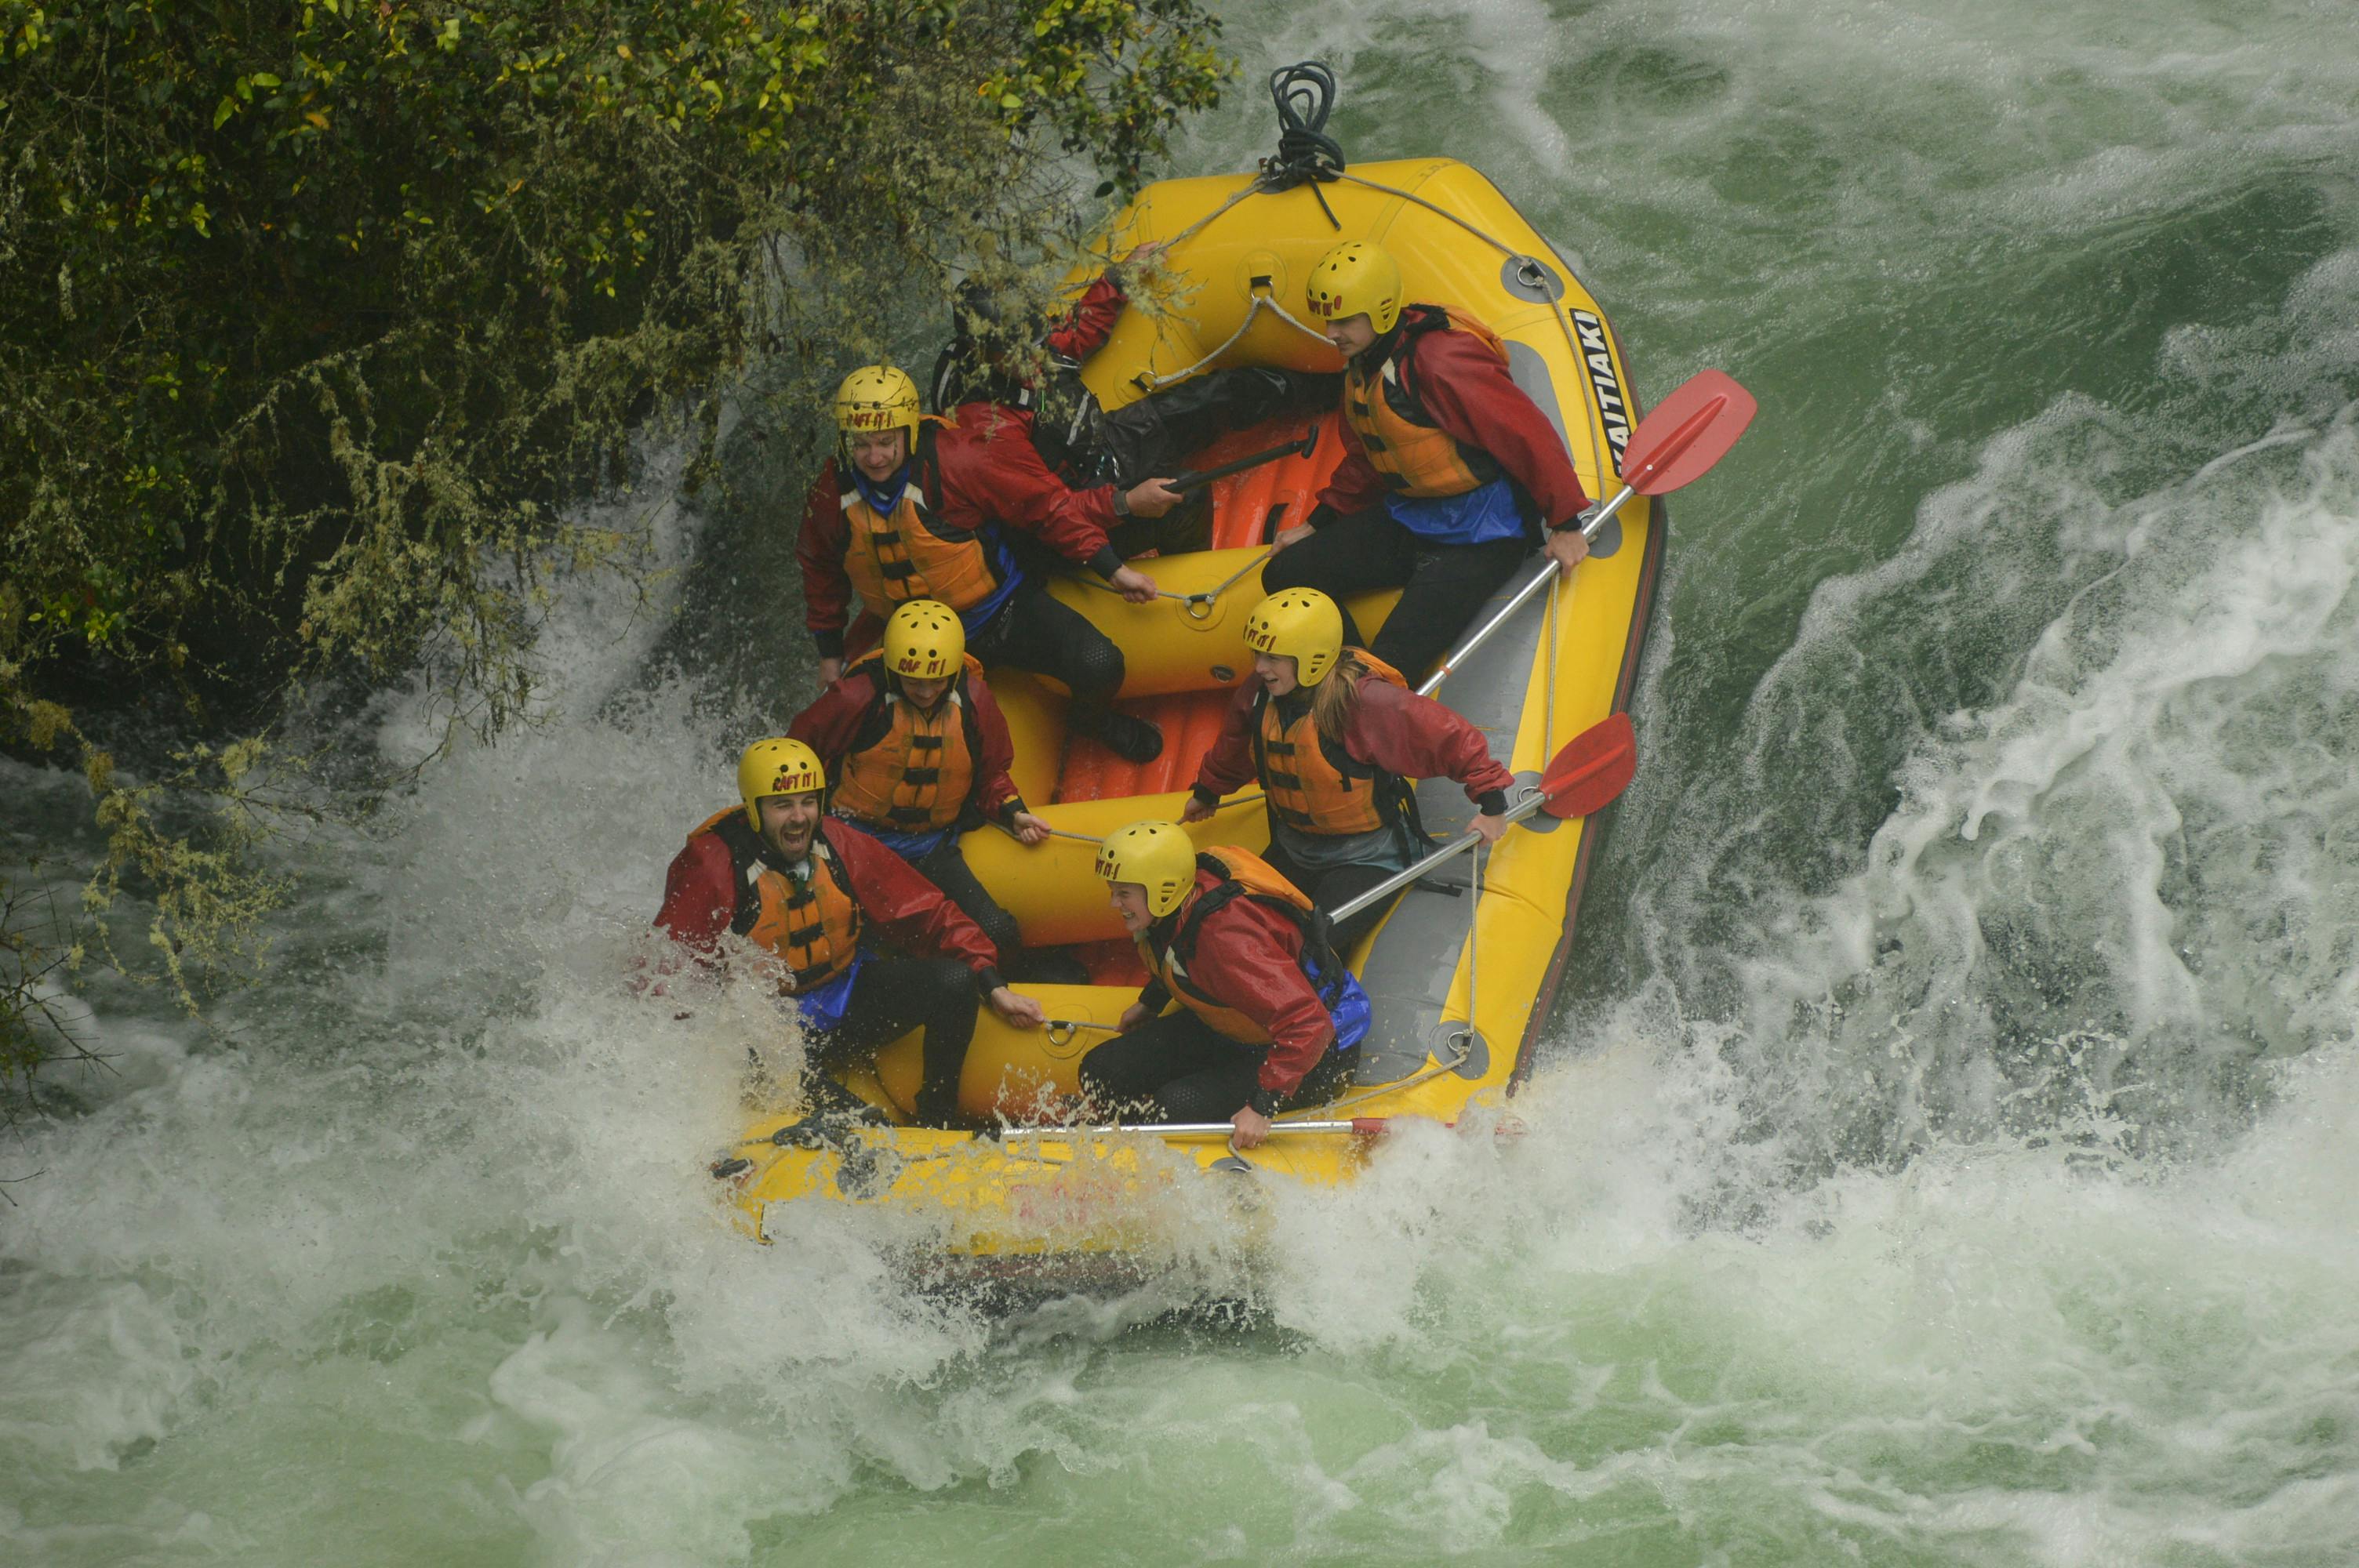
(924, 640)
(1157, 856)
(777, 767)
(1355, 278)
(1302, 624)
(878, 398)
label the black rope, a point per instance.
(1305, 95)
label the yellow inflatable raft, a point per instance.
(1462, 983)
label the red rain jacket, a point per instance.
(1391, 729)
(988, 473)
(700, 895)
(828, 726)
(1087, 326)
(1249, 957)
(1466, 390)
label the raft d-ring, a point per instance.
(1529, 277)
(1197, 606)
(1060, 1031)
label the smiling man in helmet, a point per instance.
(1269, 1018)
(810, 892)
(917, 751)
(1334, 735)
(1450, 470)
(915, 508)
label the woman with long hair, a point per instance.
(1333, 734)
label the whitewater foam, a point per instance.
(1947, 1156)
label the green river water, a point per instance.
(1945, 1155)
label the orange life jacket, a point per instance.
(1243, 875)
(906, 771)
(813, 928)
(1411, 453)
(1314, 787)
(894, 560)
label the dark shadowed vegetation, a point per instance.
(319, 321)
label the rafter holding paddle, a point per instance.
(1678, 443)
(1583, 778)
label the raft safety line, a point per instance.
(1533, 272)
(1088, 838)
(1054, 833)
(1263, 299)
(1375, 1091)
(1235, 577)
(1548, 690)
(1465, 1037)
(1197, 606)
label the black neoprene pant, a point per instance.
(1442, 586)
(1035, 633)
(891, 995)
(1153, 437)
(946, 868)
(1333, 886)
(1180, 1068)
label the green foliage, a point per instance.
(184, 834)
(299, 298)
(35, 1028)
(317, 320)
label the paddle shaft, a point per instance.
(1589, 774)
(1523, 595)
(1198, 479)
(1400, 880)
(1689, 432)
(1363, 1126)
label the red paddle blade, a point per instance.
(1688, 432)
(1594, 766)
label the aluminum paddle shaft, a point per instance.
(1688, 432)
(1450, 852)
(1594, 767)
(1361, 1126)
